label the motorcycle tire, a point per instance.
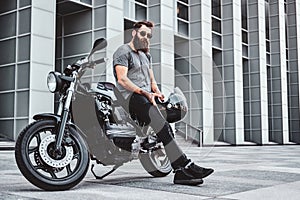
(35, 156)
(156, 162)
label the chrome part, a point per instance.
(44, 153)
(60, 106)
(136, 147)
(51, 82)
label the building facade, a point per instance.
(235, 60)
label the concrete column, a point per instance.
(207, 72)
(232, 61)
(42, 55)
(279, 132)
(293, 19)
(167, 46)
(257, 60)
(114, 33)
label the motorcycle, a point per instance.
(92, 123)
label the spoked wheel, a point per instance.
(42, 165)
(156, 161)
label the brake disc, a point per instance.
(61, 162)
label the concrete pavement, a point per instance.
(245, 172)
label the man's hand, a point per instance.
(151, 97)
(161, 96)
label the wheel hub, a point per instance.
(46, 153)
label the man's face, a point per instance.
(141, 39)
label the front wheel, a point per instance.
(42, 165)
(156, 161)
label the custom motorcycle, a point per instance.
(92, 122)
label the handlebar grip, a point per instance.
(101, 60)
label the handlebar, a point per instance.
(101, 60)
(81, 64)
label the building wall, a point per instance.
(27, 54)
(235, 60)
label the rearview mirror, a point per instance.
(99, 44)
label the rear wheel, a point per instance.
(42, 165)
(156, 161)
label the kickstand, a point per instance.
(108, 173)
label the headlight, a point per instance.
(54, 82)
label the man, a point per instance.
(136, 82)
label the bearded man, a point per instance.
(135, 80)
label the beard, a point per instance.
(141, 44)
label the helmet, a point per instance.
(175, 108)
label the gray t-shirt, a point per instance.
(138, 64)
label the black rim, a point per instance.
(159, 157)
(38, 164)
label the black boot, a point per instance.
(191, 174)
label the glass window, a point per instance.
(100, 15)
(217, 57)
(245, 37)
(183, 28)
(99, 2)
(58, 25)
(230, 118)
(196, 100)
(267, 18)
(196, 81)
(23, 3)
(196, 65)
(218, 89)
(244, 14)
(83, 22)
(182, 82)
(23, 72)
(142, 1)
(216, 8)
(87, 1)
(182, 66)
(9, 22)
(154, 17)
(8, 51)
(229, 88)
(7, 104)
(8, 5)
(127, 30)
(185, 1)
(24, 48)
(140, 12)
(228, 73)
(216, 25)
(182, 11)
(7, 127)
(78, 44)
(7, 77)
(22, 104)
(268, 46)
(245, 50)
(25, 21)
(20, 125)
(182, 47)
(216, 40)
(155, 53)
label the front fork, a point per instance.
(64, 113)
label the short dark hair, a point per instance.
(139, 24)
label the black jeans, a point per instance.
(149, 114)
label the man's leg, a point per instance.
(186, 172)
(150, 115)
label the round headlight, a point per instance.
(53, 81)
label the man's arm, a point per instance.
(121, 72)
(154, 86)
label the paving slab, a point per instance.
(243, 172)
